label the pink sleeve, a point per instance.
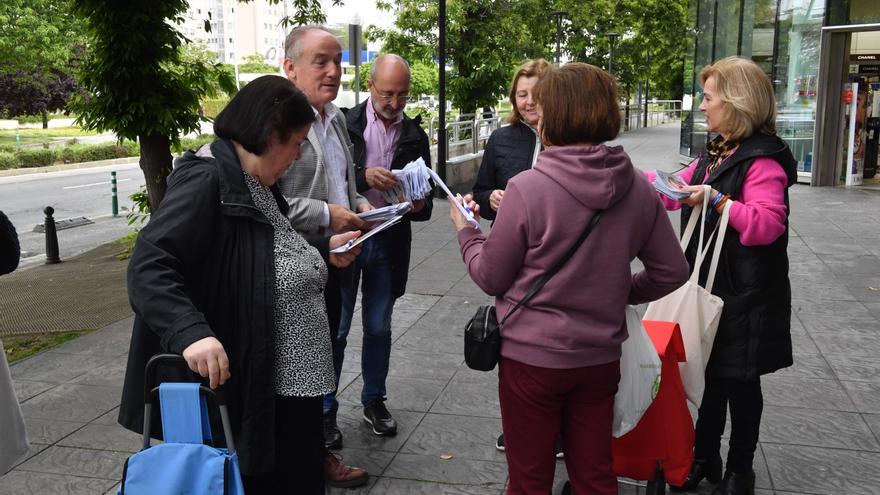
(686, 174)
(760, 214)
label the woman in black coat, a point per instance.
(219, 276)
(513, 148)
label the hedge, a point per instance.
(35, 157)
(8, 160)
(77, 153)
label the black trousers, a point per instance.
(746, 405)
(299, 450)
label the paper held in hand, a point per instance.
(412, 183)
(375, 230)
(385, 213)
(468, 214)
(670, 185)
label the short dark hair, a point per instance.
(268, 105)
(578, 105)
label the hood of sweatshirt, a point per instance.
(597, 176)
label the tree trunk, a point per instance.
(45, 119)
(156, 163)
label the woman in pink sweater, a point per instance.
(560, 353)
(750, 167)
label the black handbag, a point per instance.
(482, 334)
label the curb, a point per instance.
(68, 166)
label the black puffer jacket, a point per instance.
(754, 335)
(412, 144)
(509, 151)
(10, 251)
(204, 266)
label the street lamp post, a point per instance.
(558, 14)
(612, 37)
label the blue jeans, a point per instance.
(377, 302)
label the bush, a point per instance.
(196, 142)
(213, 106)
(132, 148)
(8, 160)
(77, 153)
(7, 148)
(36, 157)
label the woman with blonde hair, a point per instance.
(560, 352)
(515, 147)
(748, 165)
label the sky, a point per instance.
(364, 9)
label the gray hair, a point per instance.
(392, 56)
(293, 44)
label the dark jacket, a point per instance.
(10, 250)
(754, 335)
(204, 266)
(412, 144)
(508, 152)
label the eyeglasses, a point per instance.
(389, 98)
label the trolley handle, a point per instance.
(173, 361)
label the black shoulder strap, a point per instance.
(558, 266)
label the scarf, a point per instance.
(718, 150)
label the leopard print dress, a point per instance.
(303, 359)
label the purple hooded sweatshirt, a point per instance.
(578, 318)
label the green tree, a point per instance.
(255, 64)
(425, 80)
(139, 85)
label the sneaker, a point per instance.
(499, 444)
(377, 415)
(337, 474)
(332, 434)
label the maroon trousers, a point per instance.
(539, 403)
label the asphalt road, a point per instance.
(73, 193)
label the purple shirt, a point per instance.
(380, 143)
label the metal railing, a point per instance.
(658, 112)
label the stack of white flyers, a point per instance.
(385, 213)
(670, 185)
(468, 214)
(412, 183)
(375, 230)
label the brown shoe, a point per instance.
(339, 475)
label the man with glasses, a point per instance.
(383, 139)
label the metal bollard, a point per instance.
(114, 208)
(51, 237)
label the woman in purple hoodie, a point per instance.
(560, 353)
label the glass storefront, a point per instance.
(781, 36)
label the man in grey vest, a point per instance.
(320, 186)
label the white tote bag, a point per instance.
(639, 376)
(694, 308)
(13, 436)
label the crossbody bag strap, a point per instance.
(558, 266)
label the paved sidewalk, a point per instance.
(821, 427)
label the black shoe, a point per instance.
(499, 444)
(560, 453)
(332, 435)
(700, 469)
(736, 484)
(378, 416)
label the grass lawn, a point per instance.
(21, 346)
(36, 136)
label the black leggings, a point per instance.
(299, 450)
(746, 405)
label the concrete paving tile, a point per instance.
(358, 434)
(866, 291)
(111, 374)
(374, 461)
(817, 428)
(803, 344)
(110, 341)
(865, 395)
(415, 301)
(874, 308)
(461, 304)
(104, 437)
(25, 389)
(854, 368)
(488, 379)
(35, 448)
(460, 436)
(806, 392)
(831, 310)
(873, 421)
(841, 324)
(108, 418)
(459, 471)
(447, 339)
(430, 366)
(394, 486)
(54, 367)
(833, 245)
(406, 394)
(346, 379)
(49, 431)
(418, 284)
(71, 402)
(468, 399)
(848, 344)
(808, 366)
(20, 483)
(90, 463)
(821, 470)
(113, 490)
